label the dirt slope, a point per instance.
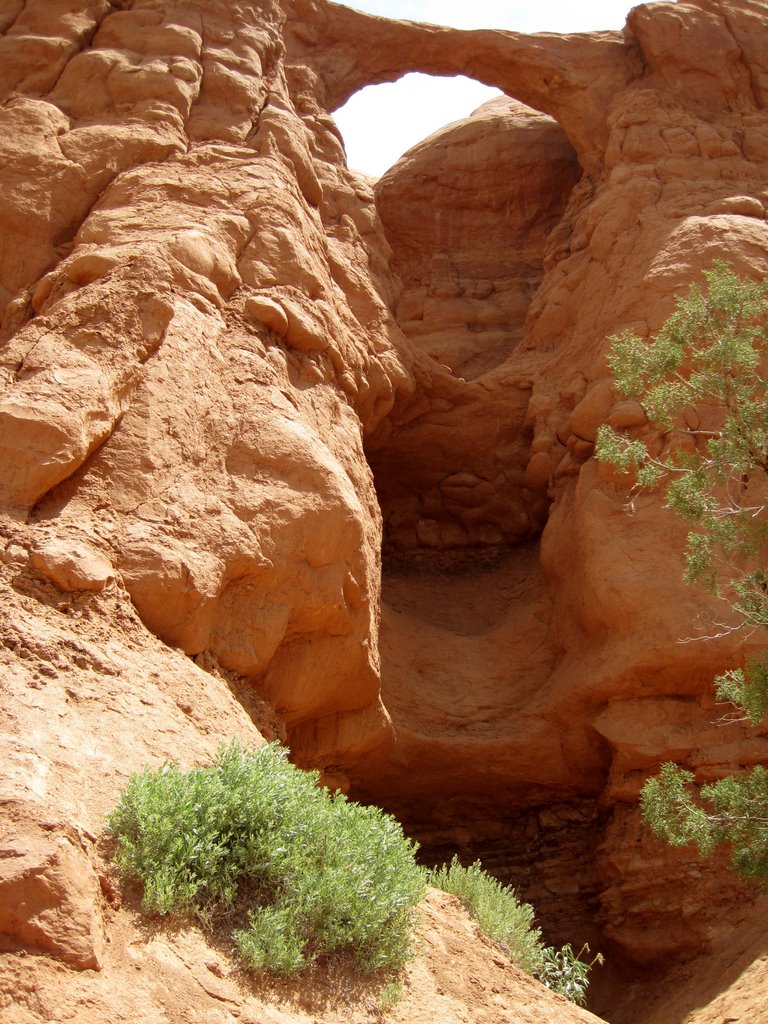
(151, 973)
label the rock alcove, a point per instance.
(230, 378)
(471, 216)
(505, 747)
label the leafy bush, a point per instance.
(707, 360)
(732, 810)
(503, 918)
(562, 971)
(254, 839)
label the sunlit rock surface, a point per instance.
(233, 373)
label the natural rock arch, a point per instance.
(200, 340)
(572, 78)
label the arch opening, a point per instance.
(380, 123)
(469, 215)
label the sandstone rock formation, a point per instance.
(468, 214)
(231, 372)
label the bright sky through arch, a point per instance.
(381, 122)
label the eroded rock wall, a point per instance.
(186, 390)
(468, 214)
(574, 672)
(203, 372)
(194, 347)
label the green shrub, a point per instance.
(496, 909)
(732, 811)
(302, 872)
(703, 385)
(503, 918)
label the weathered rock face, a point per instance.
(581, 676)
(175, 350)
(562, 671)
(468, 214)
(224, 357)
(184, 288)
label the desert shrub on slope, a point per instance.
(509, 922)
(299, 872)
(295, 872)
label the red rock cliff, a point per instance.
(231, 371)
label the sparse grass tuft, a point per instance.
(507, 921)
(496, 909)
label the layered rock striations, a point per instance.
(232, 373)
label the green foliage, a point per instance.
(391, 995)
(254, 839)
(496, 909)
(625, 454)
(707, 363)
(733, 810)
(564, 972)
(707, 351)
(746, 689)
(509, 923)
